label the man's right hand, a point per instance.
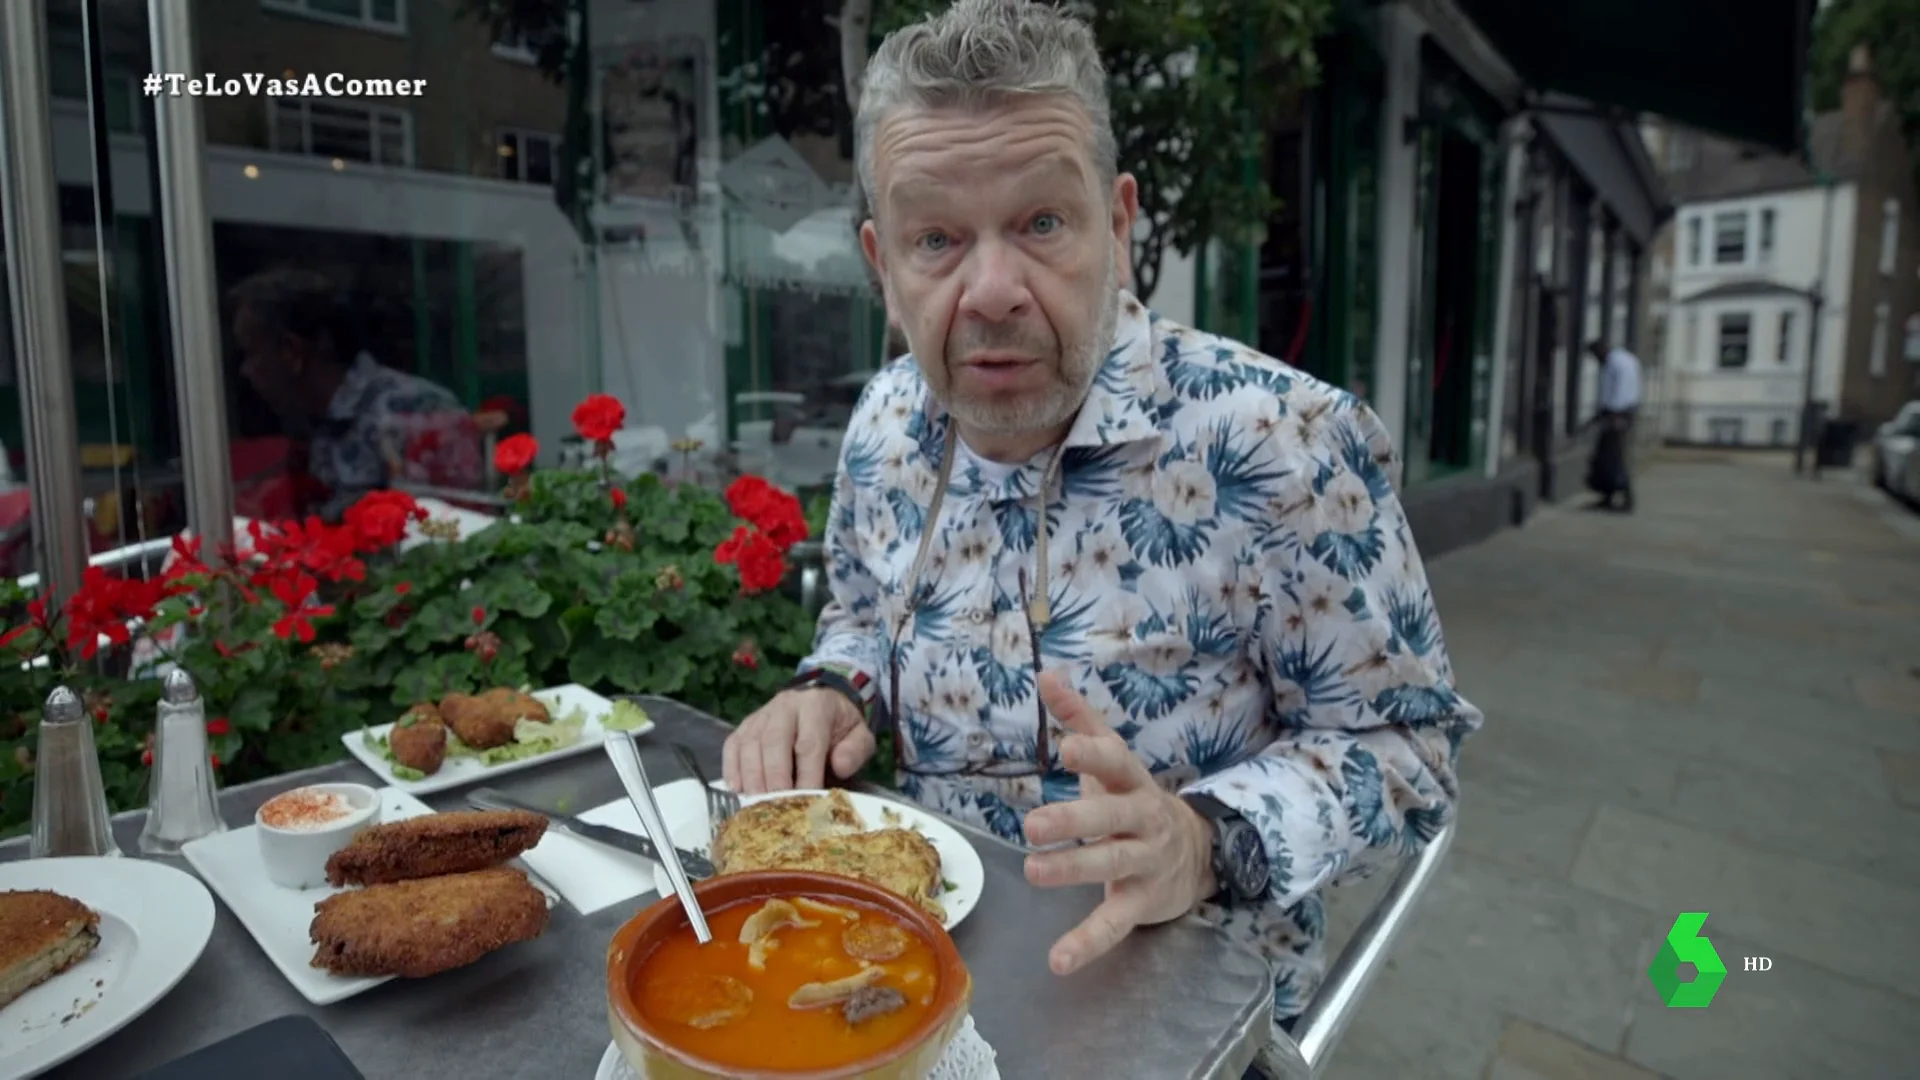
(791, 741)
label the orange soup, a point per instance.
(790, 983)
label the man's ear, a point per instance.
(1126, 211)
(870, 247)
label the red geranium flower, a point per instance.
(747, 656)
(598, 417)
(402, 588)
(219, 725)
(331, 553)
(619, 496)
(479, 615)
(757, 558)
(774, 512)
(379, 519)
(294, 590)
(515, 454)
(104, 604)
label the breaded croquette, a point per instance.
(419, 738)
(450, 843)
(488, 720)
(418, 928)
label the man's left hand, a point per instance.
(1150, 849)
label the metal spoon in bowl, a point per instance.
(633, 776)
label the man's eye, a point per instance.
(934, 242)
(1046, 223)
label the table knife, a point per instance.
(696, 864)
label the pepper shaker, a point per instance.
(70, 815)
(182, 805)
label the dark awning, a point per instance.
(1612, 159)
(1733, 68)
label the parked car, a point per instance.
(1896, 453)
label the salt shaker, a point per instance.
(181, 804)
(70, 815)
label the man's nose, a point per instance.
(997, 285)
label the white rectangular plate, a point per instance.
(456, 771)
(279, 917)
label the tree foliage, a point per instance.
(1891, 30)
(1175, 74)
(1195, 85)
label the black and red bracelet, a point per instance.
(858, 689)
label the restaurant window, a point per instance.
(373, 14)
(375, 134)
(1730, 237)
(530, 157)
(1777, 431)
(1724, 430)
(1736, 332)
(1784, 349)
(1766, 235)
(1692, 342)
(1695, 229)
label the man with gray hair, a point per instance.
(1131, 594)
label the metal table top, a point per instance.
(1179, 1000)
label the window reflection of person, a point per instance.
(366, 425)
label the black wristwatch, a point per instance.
(1239, 855)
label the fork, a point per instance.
(721, 804)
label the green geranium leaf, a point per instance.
(512, 591)
(252, 709)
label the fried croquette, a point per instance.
(419, 738)
(487, 721)
(418, 928)
(452, 843)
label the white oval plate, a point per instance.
(960, 865)
(154, 924)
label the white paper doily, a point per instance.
(968, 1057)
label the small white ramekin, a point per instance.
(297, 858)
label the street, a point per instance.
(1706, 706)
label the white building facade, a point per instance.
(1758, 291)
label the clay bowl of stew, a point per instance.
(835, 979)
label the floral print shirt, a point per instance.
(385, 425)
(1232, 584)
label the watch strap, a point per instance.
(1226, 820)
(852, 685)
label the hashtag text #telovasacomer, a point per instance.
(175, 84)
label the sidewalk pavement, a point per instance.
(1707, 705)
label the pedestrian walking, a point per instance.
(1619, 402)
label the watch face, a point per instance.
(1248, 859)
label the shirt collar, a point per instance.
(1118, 410)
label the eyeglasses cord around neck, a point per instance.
(1037, 603)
